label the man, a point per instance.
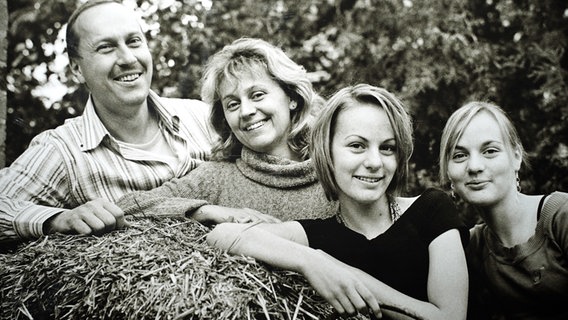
(127, 139)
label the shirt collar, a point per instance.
(95, 132)
(169, 118)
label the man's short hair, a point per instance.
(72, 38)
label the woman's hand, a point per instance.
(213, 214)
(340, 286)
(284, 245)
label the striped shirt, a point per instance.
(80, 161)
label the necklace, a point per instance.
(394, 210)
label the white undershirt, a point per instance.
(155, 149)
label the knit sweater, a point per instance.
(283, 188)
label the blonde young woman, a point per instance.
(518, 256)
(381, 253)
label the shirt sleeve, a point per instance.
(441, 215)
(324, 234)
(32, 190)
(559, 221)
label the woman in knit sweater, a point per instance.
(262, 108)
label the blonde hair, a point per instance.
(254, 56)
(324, 127)
(460, 119)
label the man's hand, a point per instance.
(95, 217)
(213, 214)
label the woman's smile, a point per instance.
(255, 125)
(368, 179)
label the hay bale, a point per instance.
(157, 269)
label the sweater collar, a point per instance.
(274, 171)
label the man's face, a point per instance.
(115, 62)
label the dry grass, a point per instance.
(156, 269)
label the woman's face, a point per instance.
(482, 167)
(363, 151)
(258, 112)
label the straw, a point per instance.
(159, 268)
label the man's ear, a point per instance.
(76, 70)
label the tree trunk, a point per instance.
(3, 71)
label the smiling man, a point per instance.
(127, 139)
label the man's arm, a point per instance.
(94, 217)
(32, 190)
(35, 190)
(21, 219)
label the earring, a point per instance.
(518, 181)
(293, 105)
(453, 194)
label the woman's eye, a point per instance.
(356, 146)
(257, 95)
(491, 151)
(388, 149)
(458, 156)
(232, 105)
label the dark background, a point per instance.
(435, 55)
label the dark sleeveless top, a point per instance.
(399, 256)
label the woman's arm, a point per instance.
(349, 289)
(173, 198)
(210, 214)
(284, 245)
(271, 243)
(448, 276)
(447, 284)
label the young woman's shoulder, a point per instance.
(558, 198)
(405, 202)
(555, 212)
(429, 196)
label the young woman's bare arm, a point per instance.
(447, 284)
(284, 245)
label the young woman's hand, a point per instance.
(213, 214)
(340, 286)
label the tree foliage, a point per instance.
(436, 55)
